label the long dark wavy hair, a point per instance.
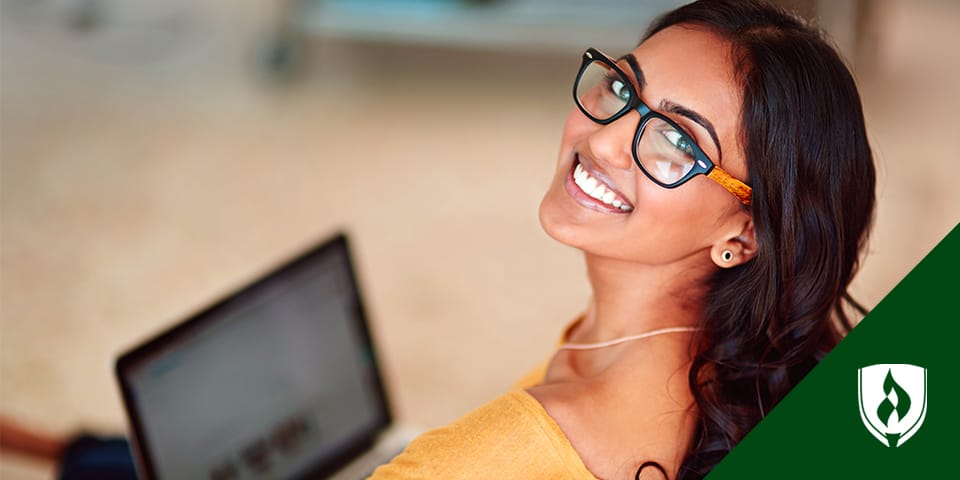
(769, 321)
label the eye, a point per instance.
(679, 141)
(619, 88)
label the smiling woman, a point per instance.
(718, 180)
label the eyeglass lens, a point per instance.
(664, 152)
(601, 91)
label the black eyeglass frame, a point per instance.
(702, 164)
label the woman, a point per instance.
(719, 181)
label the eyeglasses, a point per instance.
(668, 155)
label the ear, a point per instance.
(737, 247)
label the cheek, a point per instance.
(678, 219)
(575, 128)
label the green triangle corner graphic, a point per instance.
(817, 431)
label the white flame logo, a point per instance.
(893, 401)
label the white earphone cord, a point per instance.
(629, 338)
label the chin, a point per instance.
(556, 222)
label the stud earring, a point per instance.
(726, 255)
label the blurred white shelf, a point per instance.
(558, 25)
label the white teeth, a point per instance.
(596, 189)
(598, 192)
(590, 184)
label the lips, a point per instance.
(597, 189)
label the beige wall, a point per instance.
(136, 188)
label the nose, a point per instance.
(612, 143)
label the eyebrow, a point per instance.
(696, 117)
(637, 72)
(674, 107)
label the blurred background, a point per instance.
(156, 155)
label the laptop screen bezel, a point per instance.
(127, 362)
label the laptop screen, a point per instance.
(278, 380)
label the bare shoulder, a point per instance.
(616, 426)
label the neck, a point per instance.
(630, 299)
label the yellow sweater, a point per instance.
(510, 437)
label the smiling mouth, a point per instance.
(598, 190)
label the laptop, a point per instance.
(278, 380)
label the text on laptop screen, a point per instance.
(279, 379)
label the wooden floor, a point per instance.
(137, 185)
